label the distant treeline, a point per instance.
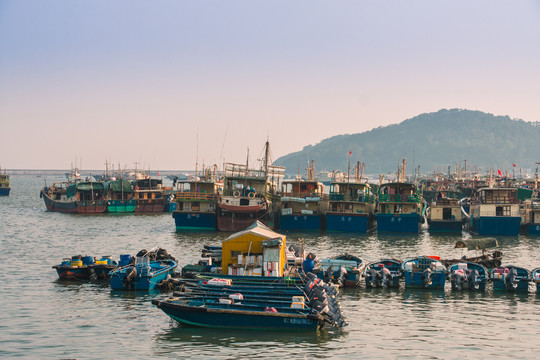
(433, 141)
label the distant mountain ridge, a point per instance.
(432, 141)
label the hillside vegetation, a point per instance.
(433, 141)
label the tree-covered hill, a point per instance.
(433, 141)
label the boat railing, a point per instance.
(353, 198)
(246, 193)
(194, 195)
(403, 198)
(150, 188)
(303, 195)
(503, 199)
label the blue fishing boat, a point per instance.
(468, 276)
(399, 207)
(4, 184)
(196, 202)
(144, 273)
(383, 273)
(351, 205)
(444, 213)
(303, 204)
(203, 314)
(510, 278)
(535, 274)
(531, 221)
(494, 211)
(424, 272)
(76, 268)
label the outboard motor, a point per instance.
(459, 277)
(131, 274)
(375, 277)
(329, 274)
(510, 279)
(427, 279)
(386, 277)
(473, 277)
(342, 276)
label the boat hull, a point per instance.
(235, 319)
(300, 222)
(414, 280)
(534, 229)
(495, 225)
(83, 207)
(150, 207)
(445, 226)
(408, 223)
(75, 272)
(121, 206)
(4, 191)
(194, 221)
(144, 280)
(357, 223)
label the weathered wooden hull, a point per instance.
(83, 207)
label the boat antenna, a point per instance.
(223, 144)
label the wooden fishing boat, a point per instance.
(196, 202)
(490, 261)
(535, 275)
(303, 203)
(5, 187)
(424, 272)
(120, 198)
(79, 197)
(351, 205)
(144, 274)
(468, 276)
(510, 278)
(148, 194)
(76, 268)
(383, 273)
(494, 211)
(444, 213)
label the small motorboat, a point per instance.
(424, 272)
(149, 269)
(510, 278)
(383, 273)
(76, 268)
(343, 270)
(468, 276)
(104, 266)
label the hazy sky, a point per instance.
(136, 81)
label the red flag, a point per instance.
(500, 173)
(350, 152)
(514, 165)
(158, 173)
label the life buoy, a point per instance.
(405, 210)
(236, 193)
(251, 195)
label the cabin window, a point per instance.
(244, 201)
(195, 206)
(502, 211)
(180, 206)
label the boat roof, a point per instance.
(257, 228)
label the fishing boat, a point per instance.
(119, 195)
(351, 205)
(215, 315)
(531, 209)
(246, 195)
(196, 202)
(384, 273)
(510, 278)
(444, 214)
(494, 211)
(148, 194)
(490, 261)
(424, 272)
(535, 275)
(468, 276)
(5, 187)
(76, 268)
(399, 208)
(79, 197)
(342, 270)
(142, 275)
(303, 203)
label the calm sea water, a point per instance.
(43, 318)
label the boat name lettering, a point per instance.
(296, 321)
